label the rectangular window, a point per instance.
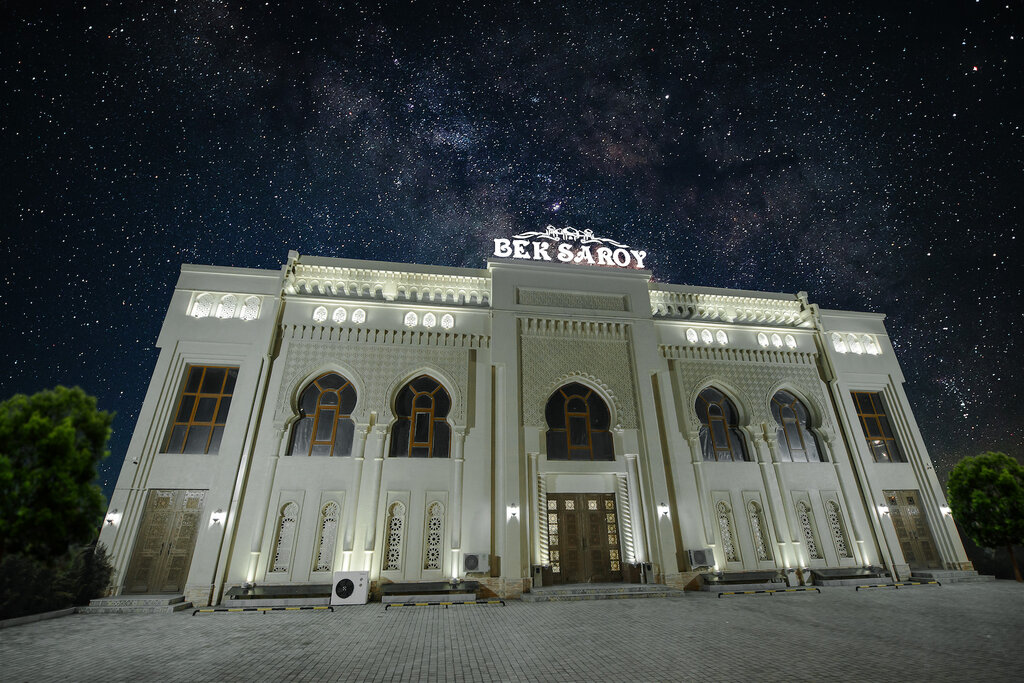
(202, 410)
(875, 424)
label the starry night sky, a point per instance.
(868, 153)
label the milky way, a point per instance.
(870, 155)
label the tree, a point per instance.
(986, 495)
(50, 446)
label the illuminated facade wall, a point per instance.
(731, 420)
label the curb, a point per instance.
(31, 618)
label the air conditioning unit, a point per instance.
(476, 563)
(350, 588)
(704, 557)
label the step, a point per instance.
(276, 602)
(729, 587)
(137, 601)
(605, 591)
(136, 604)
(535, 596)
(428, 597)
(950, 576)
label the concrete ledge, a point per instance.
(42, 616)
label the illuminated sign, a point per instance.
(569, 245)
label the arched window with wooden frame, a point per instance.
(797, 443)
(421, 427)
(578, 425)
(720, 436)
(325, 426)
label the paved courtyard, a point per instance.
(951, 633)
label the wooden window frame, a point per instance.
(803, 430)
(432, 418)
(877, 403)
(567, 414)
(199, 394)
(338, 415)
(706, 419)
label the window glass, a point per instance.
(325, 426)
(201, 411)
(578, 425)
(421, 429)
(720, 437)
(878, 432)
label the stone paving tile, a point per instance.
(953, 633)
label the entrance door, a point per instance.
(912, 529)
(167, 537)
(583, 538)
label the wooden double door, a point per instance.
(583, 538)
(912, 529)
(166, 539)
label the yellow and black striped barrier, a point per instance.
(259, 609)
(446, 604)
(770, 591)
(900, 583)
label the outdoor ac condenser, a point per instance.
(476, 562)
(703, 557)
(350, 588)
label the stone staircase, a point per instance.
(600, 591)
(950, 576)
(136, 604)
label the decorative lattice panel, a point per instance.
(327, 537)
(803, 515)
(435, 529)
(378, 369)
(597, 302)
(548, 362)
(393, 542)
(757, 527)
(835, 525)
(281, 560)
(732, 553)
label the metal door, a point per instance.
(165, 542)
(912, 529)
(583, 538)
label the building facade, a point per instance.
(531, 422)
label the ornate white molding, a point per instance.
(669, 303)
(379, 368)
(387, 285)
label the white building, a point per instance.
(566, 423)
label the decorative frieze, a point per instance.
(573, 300)
(689, 305)
(387, 285)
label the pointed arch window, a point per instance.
(325, 426)
(578, 425)
(421, 428)
(797, 443)
(720, 436)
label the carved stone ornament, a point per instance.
(377, 371)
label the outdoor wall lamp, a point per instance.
(883, 509)
(662, 510)
(946, 510)
(217, 517)
(113, 517)
(513, 511)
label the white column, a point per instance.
(636, 509)
(533, 523)
(257, 531)
(455, 511)
(371, 502)
(352, 499)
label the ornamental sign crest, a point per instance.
(568, 245)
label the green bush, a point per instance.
(30, 586)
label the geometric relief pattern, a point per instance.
(728, 537)
(326, 538)
(835, 525)
(755, 383)
(393, 543)
(761, 544)
(545, 359)
(377, 366)
(435, 528)
(285, 538)
(803, 514)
